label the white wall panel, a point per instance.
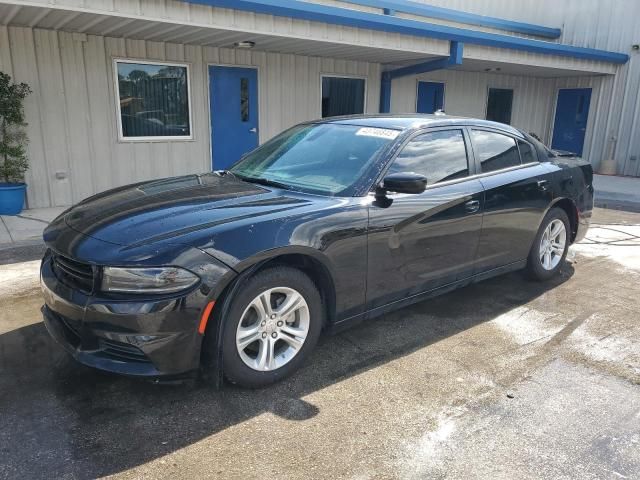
(72, 113)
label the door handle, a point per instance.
(472, 206)
(253, 130)
(542, 185)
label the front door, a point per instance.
(430, 97)
(234, 114)
(421, 242)
(572, 113)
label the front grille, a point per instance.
(73, 273)
(122, 351)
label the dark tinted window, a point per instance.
(526, 152)
(154, 100)
(342, 96)
(499, 105)
(439, 156)
(494, 150)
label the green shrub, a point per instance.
(13, 138)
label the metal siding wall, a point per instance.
(466, 95)
(603, 24)
(72, 113)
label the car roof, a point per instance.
(417, 121)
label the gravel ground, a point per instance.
(504, 379)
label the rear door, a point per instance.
(517, 194)
(420, 242)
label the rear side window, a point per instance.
(440, 156)
(494, 150)
(526, 152)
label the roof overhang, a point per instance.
(343, 34)
(389, 23)
(195, 29)
(392, 7)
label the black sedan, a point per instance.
(236, 273)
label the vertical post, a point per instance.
(385, 93)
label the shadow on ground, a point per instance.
(60, 419)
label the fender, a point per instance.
(224, 293)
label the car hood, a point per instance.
(171, 208)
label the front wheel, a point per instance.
(550, 246)
(273, 325)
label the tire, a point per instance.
(540, 266)
(250, 320)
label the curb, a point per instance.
(21, 252)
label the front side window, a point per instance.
(342, 96)
(153, 100)
(440, 156)
(494, 150)
(499, 104)
(322, 158)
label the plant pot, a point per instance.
(12, 198)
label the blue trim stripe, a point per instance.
(388, 23)
(385, 93)
(415, 8)
(454, 58)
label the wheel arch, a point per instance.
(308, 260)
(571, 210)
(311, 261)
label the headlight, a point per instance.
(147, 280)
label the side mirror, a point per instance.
(405, 182)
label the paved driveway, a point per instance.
(504, 379)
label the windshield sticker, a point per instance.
(378, 132)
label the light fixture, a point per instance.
(245, 44)
(635, 47)
(497, 69)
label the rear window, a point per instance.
(541, 147)
(527, 152)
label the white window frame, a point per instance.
(178, 138)
(355, 77)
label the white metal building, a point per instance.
(128, 90)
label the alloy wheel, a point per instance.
(552, 244)
(272, 329)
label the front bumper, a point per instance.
(139, 337)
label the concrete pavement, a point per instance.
(621, 193)
(504, 379)
(26, 228)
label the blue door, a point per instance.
(570, 126)
(234, 114)
(430, 97)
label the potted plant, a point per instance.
(13, 140)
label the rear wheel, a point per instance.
(273, 325)
(550, 246)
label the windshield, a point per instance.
(323, 158)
